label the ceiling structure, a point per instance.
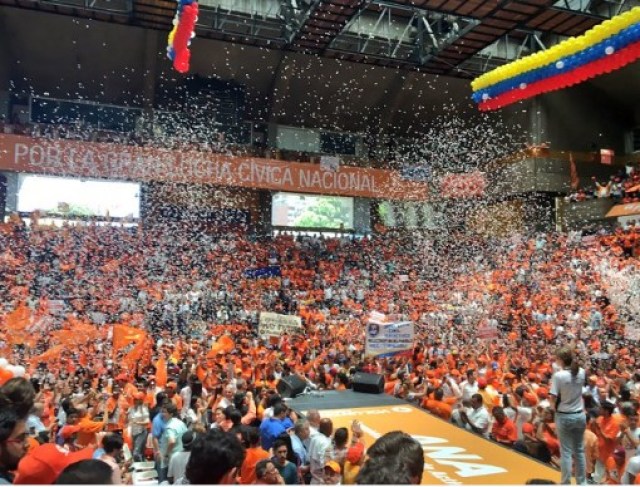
(461, 38)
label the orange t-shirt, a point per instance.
(251, 459)
(505, 432)
(439, 408)
(608, 439)
(88, 430)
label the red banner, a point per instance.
(463, 185)
(133, 163)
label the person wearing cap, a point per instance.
(353, 463)
(332, 473)
(46, 462)
(139, 423)
(615, 466)
(488, 394)
(178, 463)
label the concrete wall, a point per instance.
(584, 117)
(11, 203)
(575, 214)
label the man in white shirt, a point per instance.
(313, 417)
(178, 462)
(476, 418)
(317, 449)
(469, 387)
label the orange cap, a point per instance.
(355, 453)
(335, 466)
(542, 392)
(45, 463)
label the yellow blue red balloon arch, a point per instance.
(606, 47)
(179, 40)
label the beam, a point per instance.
(278, 88)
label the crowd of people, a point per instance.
(200, 382)
(624, 187)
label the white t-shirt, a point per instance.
(568, 389)
(468, 390)
(524, 416)
(178, 465)
(480, 419)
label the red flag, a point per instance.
(575, 180)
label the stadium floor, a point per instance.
(453, 456)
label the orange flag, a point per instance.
(201, 373)
(161, 372)
(124, 335)
(16, 324)
(224, 344)
(136, 352)
(19, 318)
(51, 354)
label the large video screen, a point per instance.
(311, 211)
(78, 197)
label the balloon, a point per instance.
(19, 371)
(3, 363)
(5, 375)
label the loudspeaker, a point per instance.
(290, 386)
(369, 383)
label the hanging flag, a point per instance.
(575, 180)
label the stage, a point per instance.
(452, 455)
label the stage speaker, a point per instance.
(290, 386)
(369, 383)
